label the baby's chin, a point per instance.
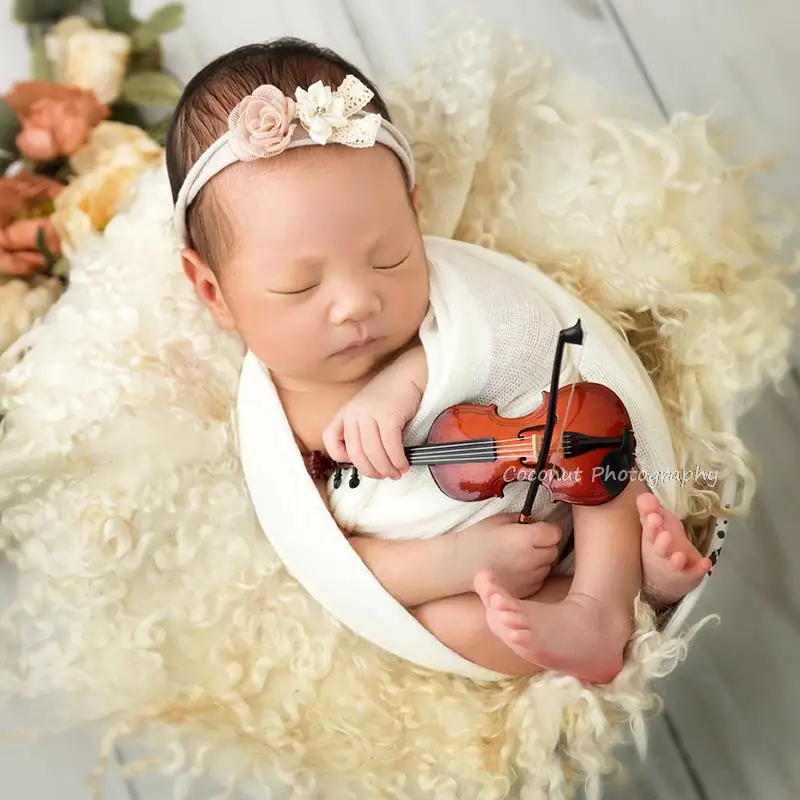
(355, 369)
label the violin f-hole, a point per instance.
(531, 431)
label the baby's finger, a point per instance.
(544, 534)
(355, 449)
(374, 448)
(333, 439)
(545, 556)
(392, 438)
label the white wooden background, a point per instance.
(732, 727)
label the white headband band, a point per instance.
(265, 124)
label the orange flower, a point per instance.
(56, 120)
(26, 202)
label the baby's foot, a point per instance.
(578, 635)
(671, 564)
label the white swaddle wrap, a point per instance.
(489, 337)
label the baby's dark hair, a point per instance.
(201, 117)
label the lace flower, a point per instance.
(262, 123)
(320, 111)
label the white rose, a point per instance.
(88, 57)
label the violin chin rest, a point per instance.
(616, 472)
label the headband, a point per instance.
(267, 122)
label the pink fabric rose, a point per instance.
(262, 124)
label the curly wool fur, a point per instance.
(148, 594)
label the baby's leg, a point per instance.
(460, 622)
(671, 564)
(584, 634)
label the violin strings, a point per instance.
(514, 446)
(467, 442)
(428, 462)
(476, 451)
(456, 447)
(473, 454)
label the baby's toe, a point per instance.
(701, 566)
(652, 525)
(504, 602)
(678, 560)
(484, 585)
(521, 638)
(647, 504)
(663, 544)
(514, 620)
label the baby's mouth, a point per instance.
(357, 347)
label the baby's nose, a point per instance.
(355, 303)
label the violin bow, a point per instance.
(572, 335)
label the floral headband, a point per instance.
(265, 124)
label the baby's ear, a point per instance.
(205, 283)
(415, 198)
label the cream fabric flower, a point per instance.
(88, 57)
(262, 124)
(320, 110)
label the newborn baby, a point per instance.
(301, 234)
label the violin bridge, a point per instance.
(536, 446)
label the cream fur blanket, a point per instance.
(148, 595)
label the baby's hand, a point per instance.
(519, 555)
(368, 433)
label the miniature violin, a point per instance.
(473, 453)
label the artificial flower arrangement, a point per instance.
(74, 139)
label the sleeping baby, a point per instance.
(307, 243)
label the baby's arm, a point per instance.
(413, 571)
(368, 431)
(419, 571)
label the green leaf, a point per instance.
(60, 268)
(128, 114)
(166, 19)
(9, 128)
(41, 68)
(149, 60)
(151, 89)
(63, 172)
(29, 12)
(159, 129)
(118, 16)
(41, 246)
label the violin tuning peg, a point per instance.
(354, 480)
(337, 478)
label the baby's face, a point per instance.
(328, 275)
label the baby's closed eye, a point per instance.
(396, 263)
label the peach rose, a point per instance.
(262, 124)
(26, 202)
(56, 120)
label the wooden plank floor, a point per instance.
(735, 705)
(733, 711)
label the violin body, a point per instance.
(473, 453)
